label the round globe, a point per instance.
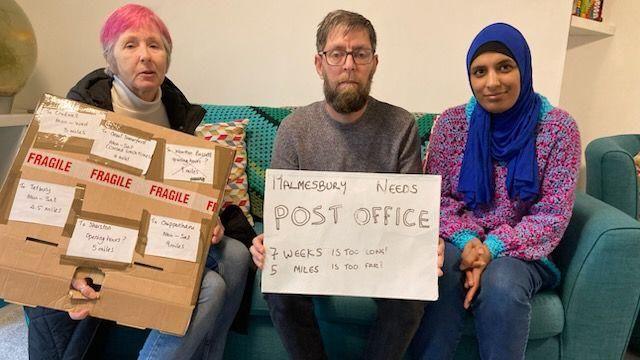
(18, 51)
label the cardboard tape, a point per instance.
(75, 211)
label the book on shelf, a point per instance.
(589, 9)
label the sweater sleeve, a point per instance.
(409, 161)
(446, 143)
(540, 231)
(284, 154)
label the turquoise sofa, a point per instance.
(588, 316)
(612, 178)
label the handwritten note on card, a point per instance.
(96, 240)
(353, 234)
(124, 148)
(42, 203)
(188, 163)
(173, 238)
(69, 123)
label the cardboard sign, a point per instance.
(98, 234)
(96, 240)
(69, 123)
(124, 148)
(354, 234)
(42, 203)
(188, 163)
(172, 238)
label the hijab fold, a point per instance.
(508, 137)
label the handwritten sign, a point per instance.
(188, 163)
(42, 203)
(69, 123)
(96, 240)
(124, 148)
(355, 234)
(173, 238)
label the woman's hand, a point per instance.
(473, 273)
(257, 251)
(218, 233)
(86, 291)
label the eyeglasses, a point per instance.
(339, 57)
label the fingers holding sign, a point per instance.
(257, 251)
(87, 291)
(440, 256)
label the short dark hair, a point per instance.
(347, 19)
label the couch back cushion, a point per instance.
(261, 133)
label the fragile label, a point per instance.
(188, 163)
(69, 123)
(172, 238)
(96, 240)
(42, 203)
(124, 148)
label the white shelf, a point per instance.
(7, 120)
(586, 27)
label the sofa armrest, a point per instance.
(599, 257)
(611, 173)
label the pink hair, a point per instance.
(131, 17)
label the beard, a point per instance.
(349, 100)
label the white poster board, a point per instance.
(352, 234)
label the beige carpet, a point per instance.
(13, 333)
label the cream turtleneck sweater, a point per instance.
(127, 103)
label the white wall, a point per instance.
(601, 85)
(261, 52)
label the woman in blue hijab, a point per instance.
(509, 163)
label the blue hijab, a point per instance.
(508, 137)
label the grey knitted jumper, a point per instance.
(383, 140)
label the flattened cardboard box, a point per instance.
(149, 291)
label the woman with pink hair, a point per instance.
(137, 48)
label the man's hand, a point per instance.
(86, 291)
(440, 256)
(257, 251)
(218, 233)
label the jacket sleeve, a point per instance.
(445, 145)
(540, 231)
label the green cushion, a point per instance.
(261, 133)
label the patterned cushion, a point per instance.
(261, 133)
(232, 134)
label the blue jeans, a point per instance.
(294, 319)
(501, 309)
(219, 299)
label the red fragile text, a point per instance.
(111, 178)
(169, 194)
(51, 162)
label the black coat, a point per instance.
(95, 89)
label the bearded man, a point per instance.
(348, 131)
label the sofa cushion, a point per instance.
(232, 134)
(261, 133)
(547, 313)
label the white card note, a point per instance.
(188, 163)
(42, 203)
(69, 123)
(124, 148)
(173, 238)
(97, 240)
